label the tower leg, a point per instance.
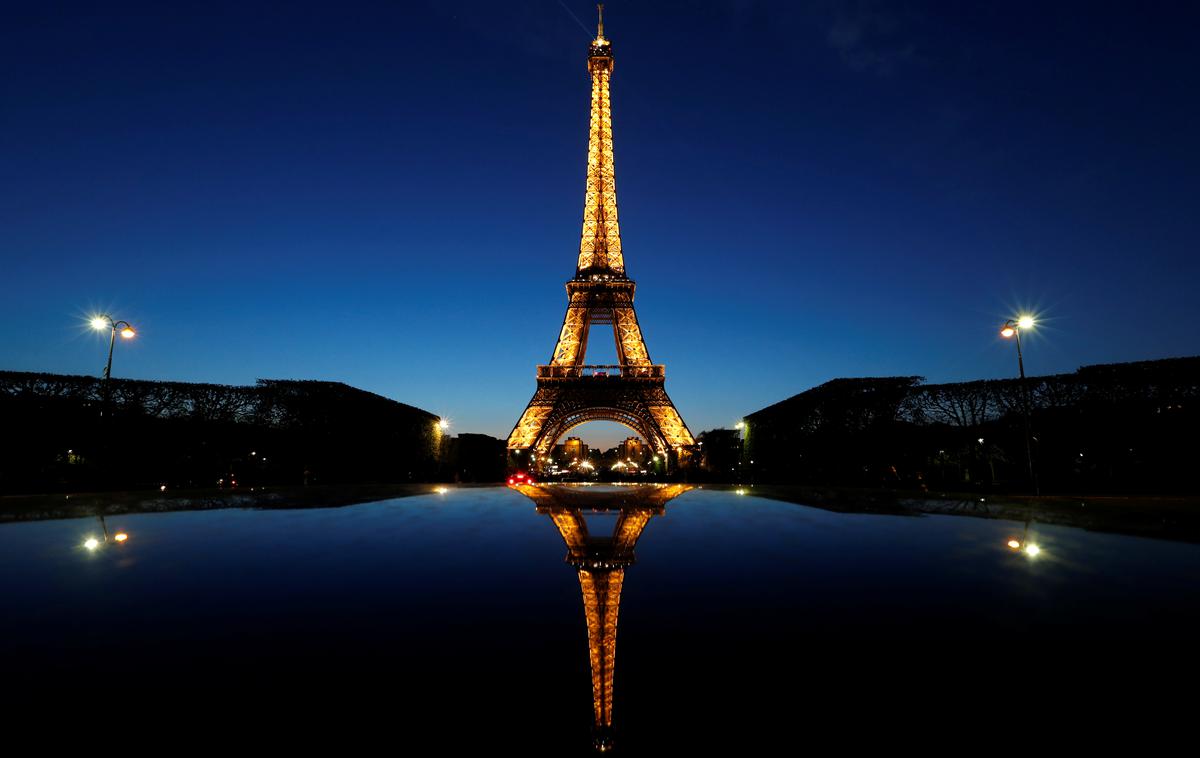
(559, 405)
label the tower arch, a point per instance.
(556, 428)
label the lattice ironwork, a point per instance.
(600, 243)
(601, 562)
(559, 405)
(554, 498)
(601, 602)
(569, 392)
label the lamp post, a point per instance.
(105, 321)
(100, 323)
(1012, 330)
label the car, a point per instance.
(520, 478)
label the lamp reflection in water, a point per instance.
(1024, 545)
(601, 562)
(91, 543)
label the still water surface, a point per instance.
(454, 618)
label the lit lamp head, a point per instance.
(1012, 326)
(128, 332)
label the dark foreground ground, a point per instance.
(446, 623)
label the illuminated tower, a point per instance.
(569, 392)
(601, 562)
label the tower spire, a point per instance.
(600, 243)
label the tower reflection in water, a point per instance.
(601, 561)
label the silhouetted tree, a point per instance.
(185, 434)
(1115, 427)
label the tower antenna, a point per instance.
(600, 11)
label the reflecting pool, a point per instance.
(562, 620)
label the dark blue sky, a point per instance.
(389, 194)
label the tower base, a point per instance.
(634, 396)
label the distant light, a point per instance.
(120, 536)
(1014, 544)
(441, 490)
(1025, 322)
(1007, 331)
(99, 323)
(740, 491)
(128, 333)
(162, 488)
(443, 424)
(91, 543)
(1032, 550)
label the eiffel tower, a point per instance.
(601, 563)
(569, 392)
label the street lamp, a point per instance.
(1012, 330)
(105, 321)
